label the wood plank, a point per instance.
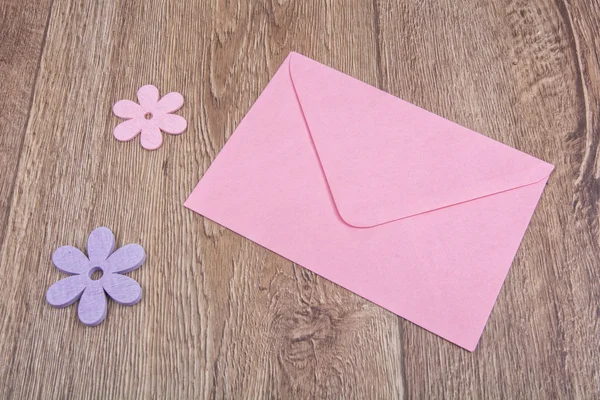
(525, 73)
(221, 317)
(22, 29)
(578, 315)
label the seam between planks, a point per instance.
(377, 28)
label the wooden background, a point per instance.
(224, 318)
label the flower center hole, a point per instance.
(148, 115)
(96, 273)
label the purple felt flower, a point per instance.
(94, 277)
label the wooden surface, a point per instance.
(224, 318)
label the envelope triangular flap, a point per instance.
(385, 159)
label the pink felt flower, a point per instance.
(149, 117)
(95, 276)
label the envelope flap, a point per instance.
(385, 159)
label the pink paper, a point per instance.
(401, 206)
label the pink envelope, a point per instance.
(403, 207)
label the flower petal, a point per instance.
(148, 97)
(127, 109)
(122, 289)
(172, 123)
(100, 245)
(127, 130)
(70, 259)
(151, 138)
(66, 291)
(125, 259)
(170, 102)
(92, 306)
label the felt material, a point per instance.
(149, 117)
(92, 304)
(100, 245)
(91, 292)
(70, 260)
(406, 209)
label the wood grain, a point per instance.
(224, 318)
(22, 32)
